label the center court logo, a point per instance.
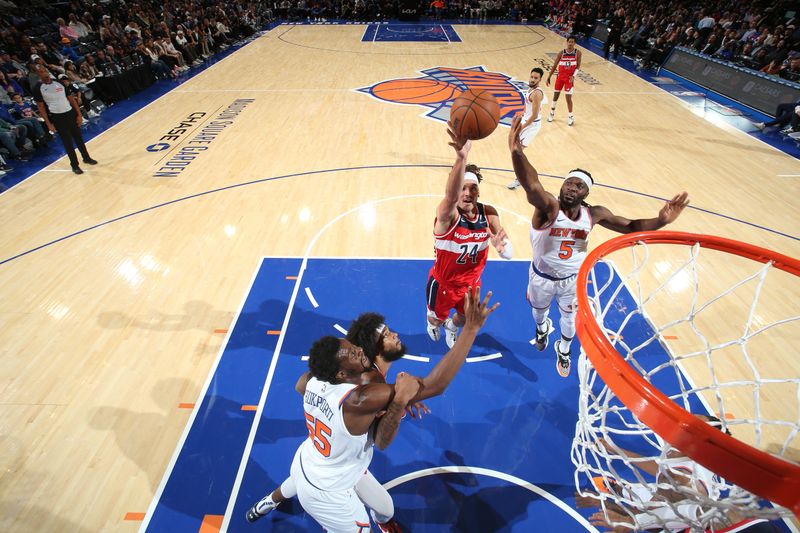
(439, 86)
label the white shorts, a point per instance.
(527, 135)
(336, 511)
(541, 292)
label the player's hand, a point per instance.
(591, 499)
(673, 208)
(406, 387)
(461, 146)
(498, 240)
(514, 144)
(599, 519)
(416, 409)
(547, 81)
(475, 311)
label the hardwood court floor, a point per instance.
(107, 332)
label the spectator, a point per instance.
(66, 32)
(9, 85)
(788, 113)
(615, 26)
(88, 69)
(68, 52)
(11, 138)
(77, 26)
(790, 70)
(73, 74)
(772, 68)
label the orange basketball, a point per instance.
(416, 91)
(475, 114)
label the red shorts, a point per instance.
(442, 298)
(563, 84)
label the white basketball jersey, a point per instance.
(331, 458)
(683, 468)
(529, 104)
(560, 248)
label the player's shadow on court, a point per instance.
(509, 361)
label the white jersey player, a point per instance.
(559, 231)
(339, 413)
(535, 100)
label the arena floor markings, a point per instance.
(424, 33)
(455, 470)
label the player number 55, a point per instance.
(318, 432)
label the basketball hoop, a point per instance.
(637, 391)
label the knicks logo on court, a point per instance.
(439, 86)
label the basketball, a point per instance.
(474, 114)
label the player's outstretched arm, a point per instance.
(446, 212)
(667, 215)
(476, 313)
(405, 387)
(527, 175)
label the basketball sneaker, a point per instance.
(543, 337)
(390, 527)
(760, 125)
(261, 509)
(570, 120)
(563, 362)
(434, 332)
(450, 332)
(551, 116)
(513, 185)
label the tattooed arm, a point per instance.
(406, 388)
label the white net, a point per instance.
(718, 335)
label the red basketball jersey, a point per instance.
(461, 252)
(568, 64)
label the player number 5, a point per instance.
(565, 252)
(318, 432)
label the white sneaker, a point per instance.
(760, 125)
(550, 116)
(434, 332)
(450, 337)
(570, 121)
(513, 185)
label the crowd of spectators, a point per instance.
(82, 41)
(757, 34)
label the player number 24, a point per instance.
(468, 250)
(318, 432)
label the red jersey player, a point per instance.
(462, 231)
(567, 62)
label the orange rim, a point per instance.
(758, 472)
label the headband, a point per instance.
(379, 331)
(583, 176)
(470, 177)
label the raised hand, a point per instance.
(514, 144)
(475, 311)
(460, 145)
(498, 240)
(673, 208)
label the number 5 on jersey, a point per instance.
(318, 432)
(565, 251)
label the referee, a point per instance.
(60, 109)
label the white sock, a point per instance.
(565, 344)
(569, 114)
(449, 325)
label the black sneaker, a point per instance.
(77, 170)
(563, 362)
(90, 161)
(543, 338)
(261, 509)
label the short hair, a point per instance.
(362, 333)
(323, 362)
(475, 170)
(572, 37)
(538, 70)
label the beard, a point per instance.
(392, 356)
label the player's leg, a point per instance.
(565, 296)
(556, 94)
(437, 313)
(568, 92)
(452, 326)
(265, 505)
(336, 511)
(540, 295)
(377, 498)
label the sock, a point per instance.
(570, 114)
(565, 344)
(449, 325)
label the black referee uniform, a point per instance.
(60, 107)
